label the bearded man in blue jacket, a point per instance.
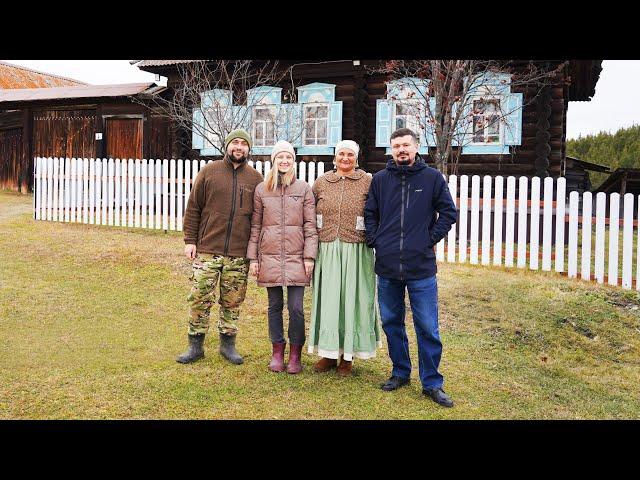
(408, 211)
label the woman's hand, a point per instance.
(308, 267)
(190, 251)
(254, 268)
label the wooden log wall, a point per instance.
(64, 133)
(14, 172)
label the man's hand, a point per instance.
(308, 267)
(190, 251)
(254, 269)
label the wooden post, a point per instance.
(99, 149)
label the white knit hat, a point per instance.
(282, 146)
(350, 144)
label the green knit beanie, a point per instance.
(238, 133)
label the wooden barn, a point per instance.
(356, 104)
(87, 121)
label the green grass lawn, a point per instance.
(91, 318)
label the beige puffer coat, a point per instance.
(283, 234)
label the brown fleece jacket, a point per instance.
(218, 215)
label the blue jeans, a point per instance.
(423, 296)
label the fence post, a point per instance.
(587, 205)
(522, 221)
(627, 242)
(572, 265)
(486, 220)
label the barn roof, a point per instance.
(83, 91)
(18, 77)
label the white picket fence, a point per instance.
(128, 193)
(493, 228)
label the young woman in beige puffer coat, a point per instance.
(282, 250)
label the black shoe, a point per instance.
(438, 396)
(394, 383)
(228, 349)
(195, 350)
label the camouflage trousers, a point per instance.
(208, 270)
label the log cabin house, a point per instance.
(343, 100)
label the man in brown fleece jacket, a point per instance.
(217, 226)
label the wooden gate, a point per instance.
(123, 137)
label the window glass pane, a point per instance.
(402, 109)
(262, 114)
(493, 127)
(309, 132)
(478, 128)
(311, 112)
(270, 135)
(400, 122)
(321, 132)
(323, 112)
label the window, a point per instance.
(264, 126)
(316, 121)
(486, 121)
(406, 114)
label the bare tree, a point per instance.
(214, 97)
(459, 101)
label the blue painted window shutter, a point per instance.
(290, 123)
(197, 141)
(383, 122)
(242, 117)
(460, 136)
(513, 119)
(335, 123)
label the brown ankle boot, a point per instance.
(344, 368)
(325, 364)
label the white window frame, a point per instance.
(274, 113)
(485, 99)
(416, 101)
(304, 124)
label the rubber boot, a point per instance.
(277, 357)
(294, 366)
(228, 349)
(195, 351)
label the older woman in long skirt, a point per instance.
(344, 319)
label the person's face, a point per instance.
(284, 161)
(238, 150)
(404, 149)
(345, 160)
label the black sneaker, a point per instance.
(438, 396)
(394, 383)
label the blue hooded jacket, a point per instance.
(401, 221)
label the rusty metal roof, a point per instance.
(16, 76)
(84, 91)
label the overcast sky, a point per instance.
(616, 103)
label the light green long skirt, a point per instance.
(344, 313)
